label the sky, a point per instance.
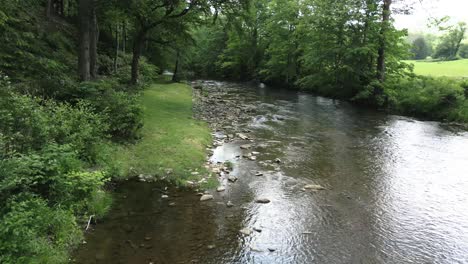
(418, 20)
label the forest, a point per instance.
(72, 71)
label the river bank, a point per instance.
(173, 143)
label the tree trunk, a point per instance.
(175, 77)
(84, 40)
(124, 36)
(117, 42)
(49, 8)
(381, 51)
(138, 45)
(94, 39)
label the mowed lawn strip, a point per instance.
(171, 137)
(456, 68)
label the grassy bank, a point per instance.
(456, 69)
(171, 139)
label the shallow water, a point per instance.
(397, 192)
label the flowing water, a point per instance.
(396, 192)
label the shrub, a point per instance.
(120, 110)
(36, 232)
(77, 125)
(425, 96)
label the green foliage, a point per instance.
(464, 51)
(449, 46)
(120, 110)
(420, 49)
(36, 232)
(428, 97)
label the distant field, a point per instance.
(458, 68)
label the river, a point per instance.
(396, 191)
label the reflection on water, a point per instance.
(397, 192)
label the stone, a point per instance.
(211, 247)
(232, 178)
(206, 197)
(255, 153)
(262, 200)
(256, 249)
(258, 173)
(172, 204)
(164, 196)
(242, 136)
(253, 158)
(277, 160)
(221, 189)
(314, 187)
(245, 146)
(148, 238)
(257, 229)
(229, 204)
(271, 249)
(245, 231)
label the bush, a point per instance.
(36, 232)
(425, 96)
(120, 109)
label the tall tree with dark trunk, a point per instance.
(84, 8)
(94, 38)
(382, 43)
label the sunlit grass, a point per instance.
(171, 137)
(456, 68)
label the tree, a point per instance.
(84, 14)
(420, 49)
(382, 43)
(150, 16)
(450, 43)
(464, 51)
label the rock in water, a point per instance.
(277, 160)
(211, 246)
(232, 178)
(242, 136)
(206, 197)
(221, 189)
(229, 204)
(262, 200)
(258, 173)
(256, 249)
(245, 231)
(271, 249)
(246, 146)
(314, 187)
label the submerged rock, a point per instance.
(262, 200)
(245, 146)
(314, 187)
(232, 178)
(245, 231)
(206, 197)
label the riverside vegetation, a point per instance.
(82, 103)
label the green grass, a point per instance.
(457, 68)
(171, 137)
